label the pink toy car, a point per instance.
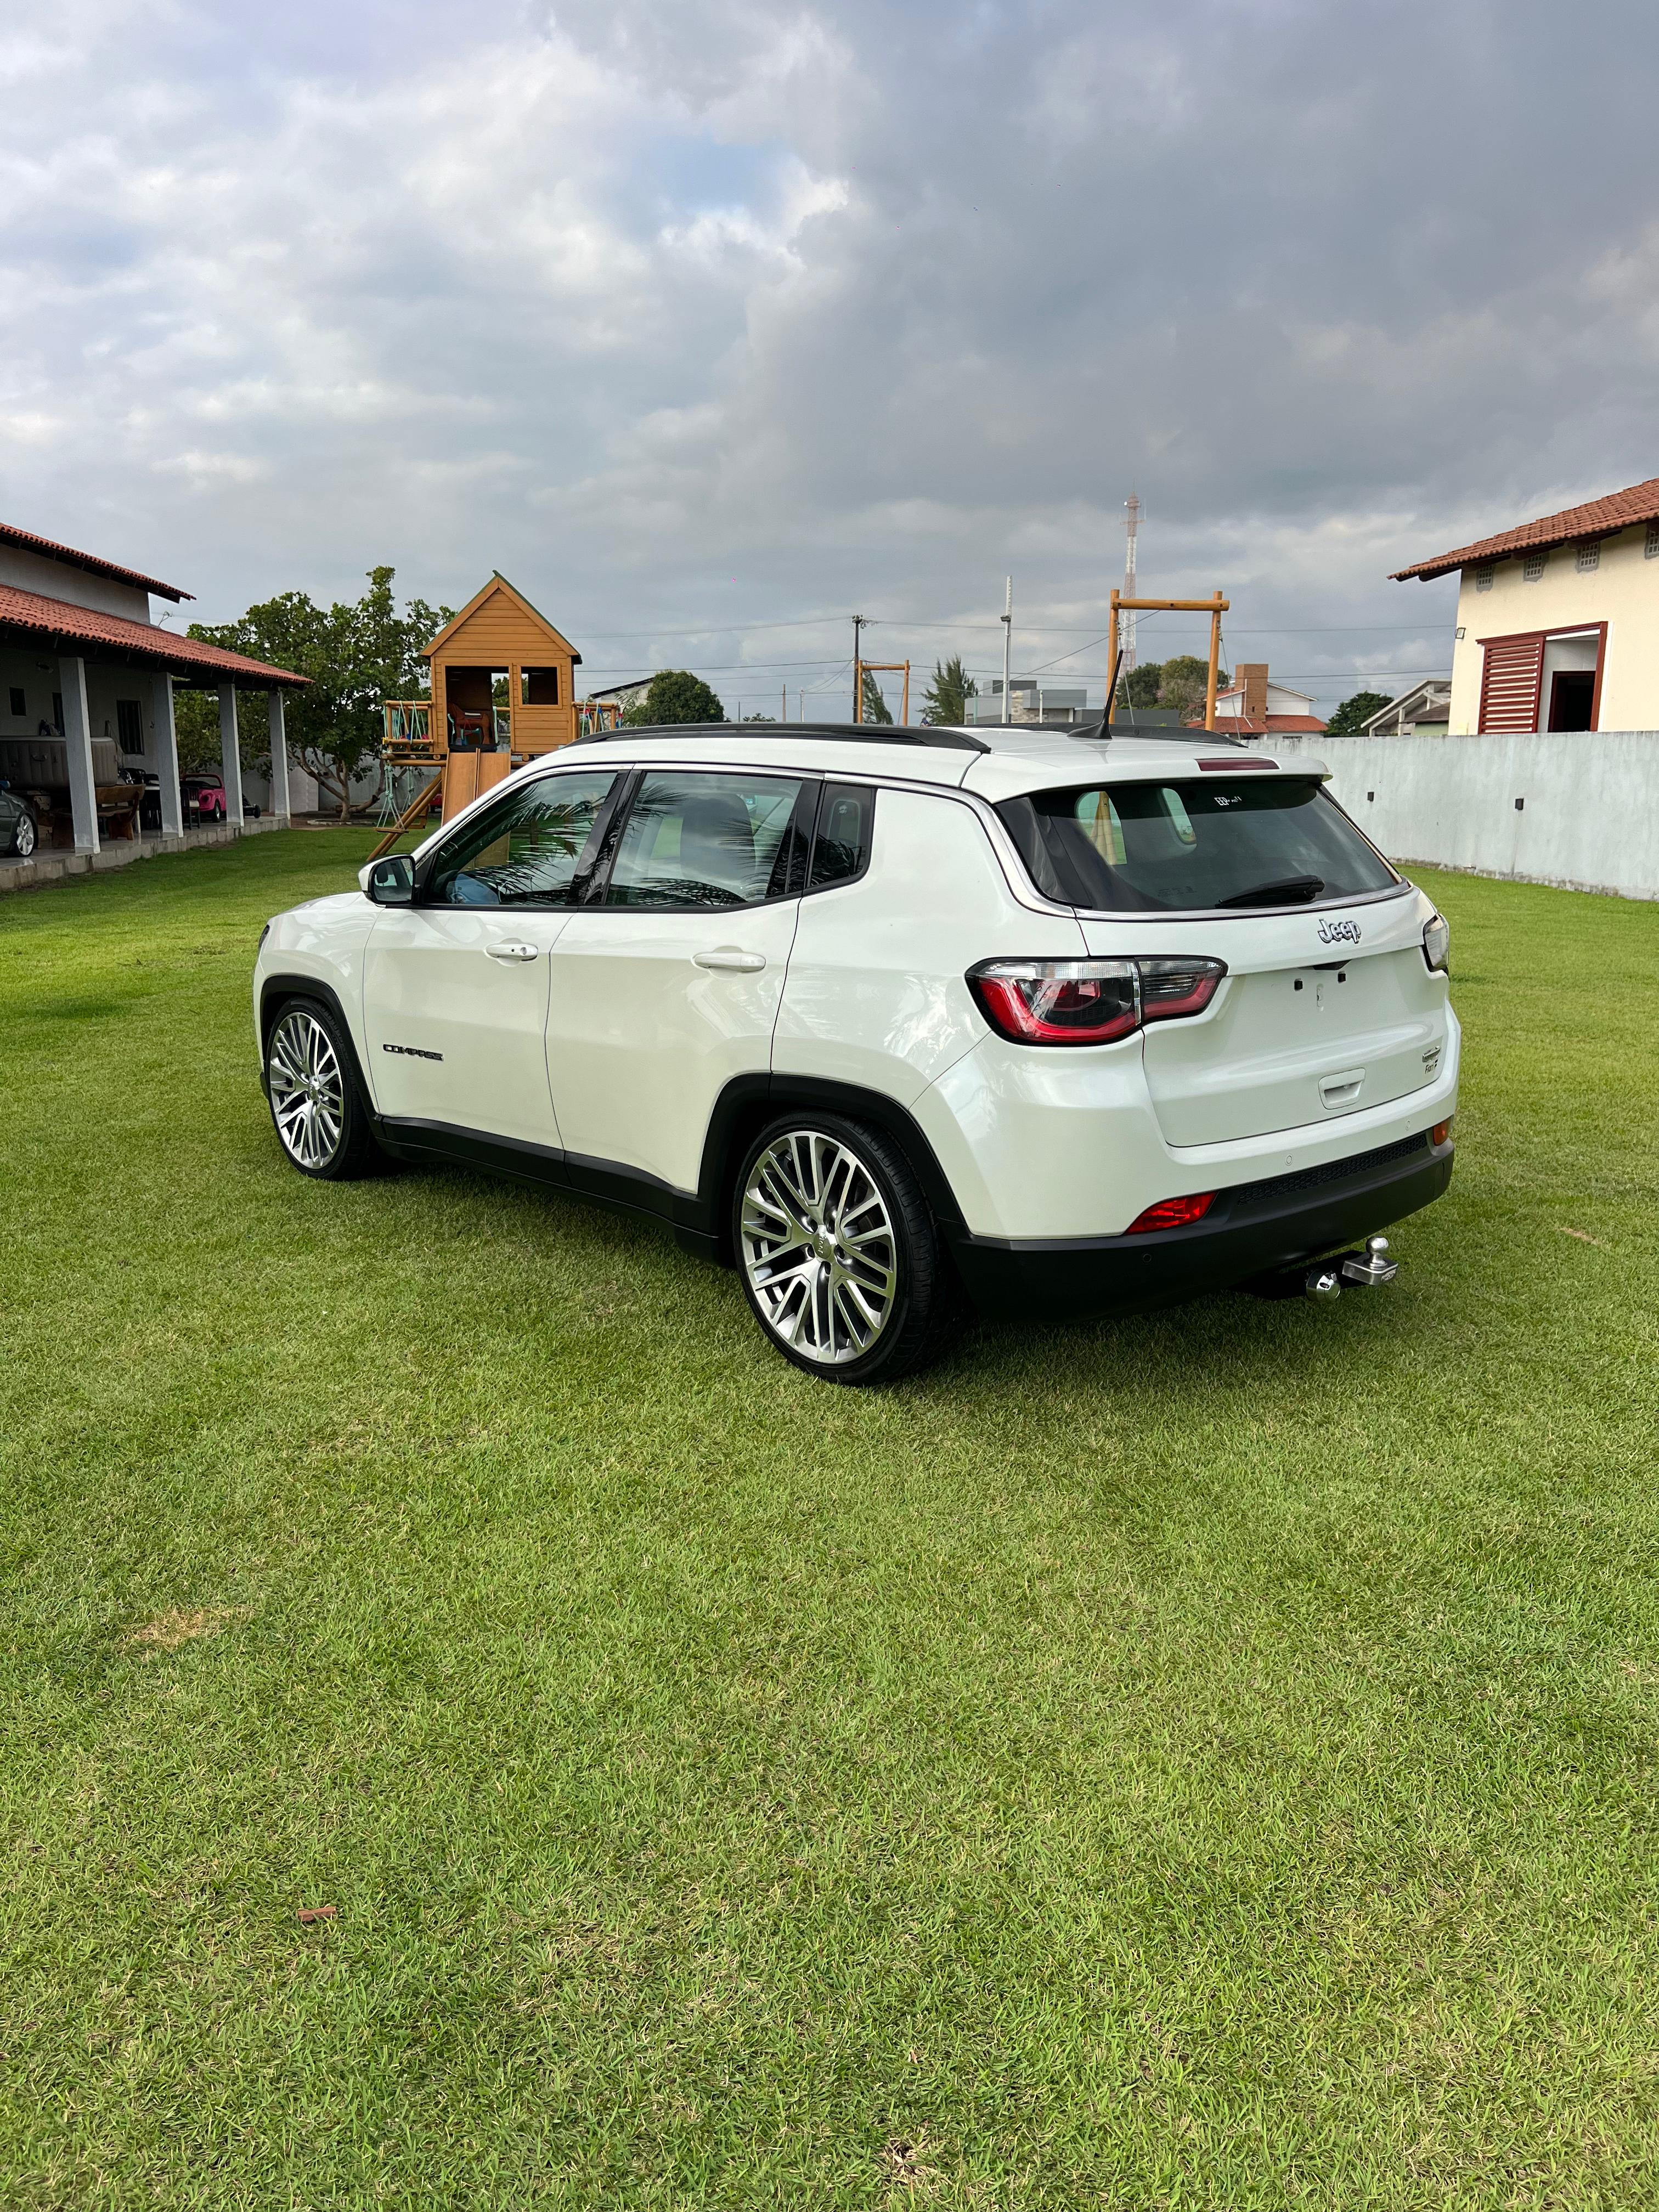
(206, 793)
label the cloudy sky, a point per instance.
(712, 323)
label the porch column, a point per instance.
(77, 744)
(279, 802)
(230, 755)
(167, 755)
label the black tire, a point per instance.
(317, 1105)
(842, 1196)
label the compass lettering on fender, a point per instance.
(1339, 932)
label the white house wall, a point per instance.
(55, 580)
(1589, 819)
(1621, 590)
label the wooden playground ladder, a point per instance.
(410, 815)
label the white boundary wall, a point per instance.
(1588, 820)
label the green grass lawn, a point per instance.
(1206, 1761)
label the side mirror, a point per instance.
(390, 882)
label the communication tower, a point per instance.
(1126, 636)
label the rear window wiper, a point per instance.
(1288, 890)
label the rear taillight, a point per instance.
(1058, 1001)
(1089, 1001)
(1173, 1213)
(1436, 944)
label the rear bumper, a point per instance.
(1251, 1229)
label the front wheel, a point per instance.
(24, 835)
(840, 1257)
(315, 1102)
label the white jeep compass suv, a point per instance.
(893, 1020)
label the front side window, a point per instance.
(709, 840)
(528, 849)
(1239, 841)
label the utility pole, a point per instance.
(1007, 643)
(858, 671)
(1126, 633)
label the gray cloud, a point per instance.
(725, 314)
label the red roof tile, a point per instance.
(1597, 517)
(11, 535)
(60, 622)
(1261, 726)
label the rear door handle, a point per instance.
(511, 952)
(731, 956)
(1342, 1090)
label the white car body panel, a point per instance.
(876, 994)
(456, 1025)
(641, 1037)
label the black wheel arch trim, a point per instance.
(275, 990)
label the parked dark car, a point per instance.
(19, 833)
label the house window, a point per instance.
(1588, 555)
(1483, 578)
(19, 704)
(130, 724)
(1533, 567)
(538, 687)
(1650, 550)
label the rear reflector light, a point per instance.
(1441, 1130)
(1172, 1212)
(1089, 1001)
(1170, 988)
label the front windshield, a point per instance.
(1240, 841)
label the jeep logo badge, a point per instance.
(1339, 932)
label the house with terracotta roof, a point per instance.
(87, 679)
(1558, 619)
(1254, 706)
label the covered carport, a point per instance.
(88, 695)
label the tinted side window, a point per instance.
(703, 839)
(525, 850)
(841, 847)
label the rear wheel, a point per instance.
(840, 1256)
(319, 1110)
(24, 835)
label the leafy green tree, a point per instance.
(1138, 686)
(946, 704)
(676, 696)
(875, 706)
(357, 653)
(1184, 680)
(1353, 713)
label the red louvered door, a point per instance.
(1511, 679)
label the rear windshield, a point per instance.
(1243, 840)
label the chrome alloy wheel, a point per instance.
(23, 841)
(308, 1089)
(819, 1250)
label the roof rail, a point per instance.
(865, 733)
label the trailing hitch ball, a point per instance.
(1369, 1270)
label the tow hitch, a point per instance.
(1369, 1270)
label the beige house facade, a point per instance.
(1558, 620)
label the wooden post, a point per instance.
(1111, 665)
(905, 715)
(1215, 663)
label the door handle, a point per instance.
(511, 952)
(1342, 1089)
(733, 957)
